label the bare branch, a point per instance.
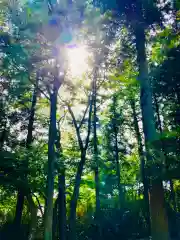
(89, 125)
(76, 127)
(85, 112)
(40, 208)
(40, 90)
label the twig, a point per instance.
(40, 208)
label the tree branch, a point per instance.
(40, 208)
(33, 83)
(85, 112)
(40, 90)
(61, 119)
(89, 125)
(76, 127)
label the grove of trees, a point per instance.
(89, 119)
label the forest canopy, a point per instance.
(89, 119)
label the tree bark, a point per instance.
(33, 222)
(19, 209)
(3, 133)
(55, 220)
(116, 148)
(74, 198)
(172, 195)
(61, 200)
(159, 222)
(158, 212)
(142, 162)
(51, 163)
(62, 205)
(83, 149)
(95, 143)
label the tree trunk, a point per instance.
(172, 195)
(158, 212)
(159, 221)
(51, 166)
(61, 200)
(31, 117)
(3, 133)
(33, 222)
(83, 149)
(116, 148)
(118, 171)
(142, 161)
(19, 210)
(29, 140)
(95, 143)
(74, 199)
(55, 220)
(62, 205)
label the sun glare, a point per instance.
(77, 60)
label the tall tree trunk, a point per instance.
(31, 117)
(172, 195)
(29, 140)
(19, 209)
(95, 155)
(61, 200)
(51, 165)
(159, 221)
(33, 222)
(83, 149)
(158, 212)
(75, 195)
(95, 143)
(62, 204)
(55, 220)
(116, 148)
(142, 162)
(3, 133)
(3, 124)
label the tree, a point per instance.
(57, 81)
(138, 19)
(21, 194)
(95, 142)
(115, 122)
(83, 149)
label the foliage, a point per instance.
(37, 40)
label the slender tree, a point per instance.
(95, 143)
(57, 81)
(116, 149)
(142, 161)
(83, 149)
(22, 192)
(61, 200)
(159, 222)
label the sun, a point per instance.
(77, 57)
